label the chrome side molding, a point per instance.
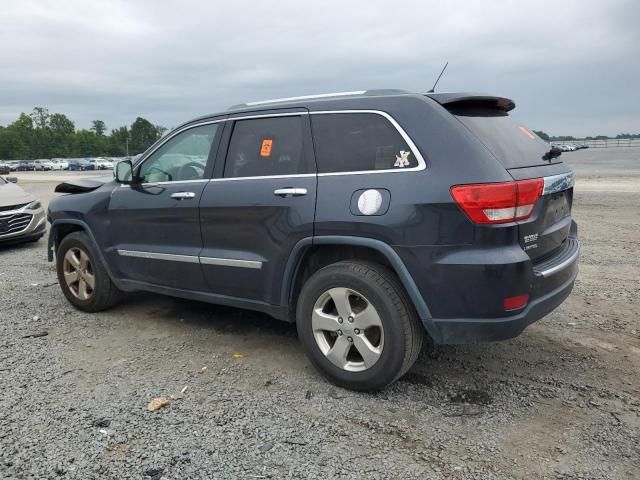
(223, 262)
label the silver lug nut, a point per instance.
(340, 320)
(350, 339)
(356, 331)
(350, 319)
(339, 332)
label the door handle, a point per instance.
(290, 192)
(183, 195)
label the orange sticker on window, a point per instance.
(526, 131)
(265, 150)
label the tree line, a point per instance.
(41, 134)
(548, 138)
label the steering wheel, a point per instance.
(190, 171)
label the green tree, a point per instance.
(62, 131)
(118, 141)
(142, 134)
(99, 127)
(542, 135)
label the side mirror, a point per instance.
(124, 172)
(12, 179)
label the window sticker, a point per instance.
(402, 160)
(265, 149)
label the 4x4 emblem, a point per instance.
(403, 159)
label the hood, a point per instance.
(12, 194)
(82, 185)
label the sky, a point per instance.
(572, 67)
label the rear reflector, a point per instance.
(488, 203)
(515, 303)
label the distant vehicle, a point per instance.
(64, 163)
(13, 165)
(330, 216)
(42, 165)
(25, 166)
(21, 214)
(56, 165)
(80, 165)
(92, 164)
(5, 169)
(104, 164)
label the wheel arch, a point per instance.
(63, 227)
(336, 248)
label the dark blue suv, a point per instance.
(366, 218)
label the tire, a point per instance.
(396, 342)
(77, 247)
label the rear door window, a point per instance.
(355, 142)
(267, 146)
(513, 144)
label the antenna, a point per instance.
(433, 89)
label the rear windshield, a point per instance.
(513, 144)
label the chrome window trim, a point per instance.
(558, 183)
(231, 179)
(173, 134)
(225, 262)
(414, 149)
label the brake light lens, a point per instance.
(491, 203)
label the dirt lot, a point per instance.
(560, 401)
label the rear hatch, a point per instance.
(524, 155)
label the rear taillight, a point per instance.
(488, 203)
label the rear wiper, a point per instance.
(555, 152)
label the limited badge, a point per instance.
(403, 159)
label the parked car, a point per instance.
(25, 166)
(13, 165)
(21, 214)
(5, 169)
(365, 218)
(81, 165)
(56, 164)
(42, 165)
(104, 164)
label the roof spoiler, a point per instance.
(448, 100)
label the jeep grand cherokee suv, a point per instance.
(365, 218)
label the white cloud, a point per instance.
(571, 66)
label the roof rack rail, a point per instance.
(319, 96)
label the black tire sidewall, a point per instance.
(81, 241)
(390, 363)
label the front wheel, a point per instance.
(82, 276)
(357, 325)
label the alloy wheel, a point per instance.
(78, 273)
(347, 329)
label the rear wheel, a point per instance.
(82, 276)
(357, 325)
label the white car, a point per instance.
(103, 164)
(56, 165)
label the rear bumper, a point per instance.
(465, 289)
(474, 330)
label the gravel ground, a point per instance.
(561, 401)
